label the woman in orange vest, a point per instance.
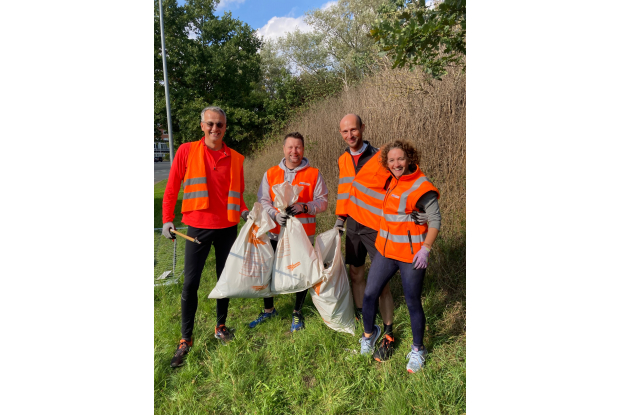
(402, 244)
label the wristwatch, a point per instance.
(305, 207)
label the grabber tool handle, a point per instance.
(182, 235)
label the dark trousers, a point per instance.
(300, 296)
(195, 258)
(381, 271)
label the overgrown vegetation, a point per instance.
(413, 34)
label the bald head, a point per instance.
(352, 117)
(352, 130)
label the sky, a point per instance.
(272, 18)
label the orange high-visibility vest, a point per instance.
(305, 178)
(367, 192)
(195, 189)
(347, 175)
(398, 234)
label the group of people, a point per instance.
(388, 206)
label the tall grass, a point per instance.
(399, 104)
(268, 370)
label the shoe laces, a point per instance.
(183, 346)
(416, 355)
(295, 319)
(387, 341)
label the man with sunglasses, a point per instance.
(213, 184)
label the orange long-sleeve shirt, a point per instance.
(218, 179)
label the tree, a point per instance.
(413, 34)
(211, 61)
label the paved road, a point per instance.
(162, 168)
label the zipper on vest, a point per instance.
(387, 193)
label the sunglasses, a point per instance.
(211, 124)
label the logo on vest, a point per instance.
(304, 183)
(293, 266)
(396, 196)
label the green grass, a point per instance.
(268, 370)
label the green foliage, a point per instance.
(413, 34)
(210, 61)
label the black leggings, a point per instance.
(382, 269)
(300, 296)
(195, 258)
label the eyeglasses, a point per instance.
(211, 124)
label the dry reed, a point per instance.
(397, 104)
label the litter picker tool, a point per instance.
(182, 235)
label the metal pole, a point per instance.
(163, 54)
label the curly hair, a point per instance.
(412, 154)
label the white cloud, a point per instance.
(229, 3)
(278, 26)
(328, 5)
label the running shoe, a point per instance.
(262, 317)
(298, 322)
(385, 350)
(368, 343)
(182, 349)
(416, 359)
(223, 334)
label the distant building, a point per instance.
(161, 147)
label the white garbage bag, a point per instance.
(296, 266)
(332, 297)
(248, 268)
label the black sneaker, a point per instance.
(385, 350)
(223, 334)
(183, 349)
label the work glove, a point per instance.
(245, 214)
(339, 225)
(281, 218)
(296, 209)
(419, 218)
(166, 230)
(420, 260)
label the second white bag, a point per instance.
(332, 297)
(296, 266)
(247, 273)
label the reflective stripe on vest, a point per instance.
(403, 239)
(347, 175)
(195, 189)
(398, 234)
(366, 193)
(309, 176)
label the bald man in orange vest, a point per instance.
(213, 185)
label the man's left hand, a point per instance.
(296, 209)
(245, 214)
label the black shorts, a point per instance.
(360, 241)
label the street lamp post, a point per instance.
(163, 54)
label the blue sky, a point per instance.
(272, 18)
